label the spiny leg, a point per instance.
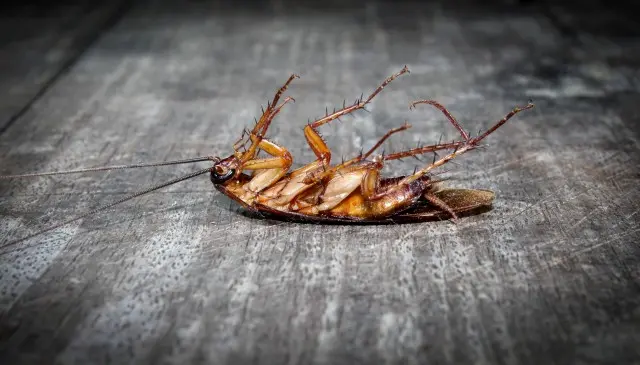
(422, 150)
(315, 141)
(263, 125)
(432, 148)
(256, 138)
(444, 111)
(260, 129)
(407, 153)
(282, 157)
(363, 156)
(470, 144)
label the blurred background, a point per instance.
(549, 276)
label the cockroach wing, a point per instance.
(463, 202)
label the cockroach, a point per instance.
(348, 192)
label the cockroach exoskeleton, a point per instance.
(348, 192)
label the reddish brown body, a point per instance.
(407, 205)
(353, 207)
(351, 191)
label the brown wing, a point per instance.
(464, 202)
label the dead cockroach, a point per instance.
(351, 191)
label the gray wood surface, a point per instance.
(549, 276)
(40, 42)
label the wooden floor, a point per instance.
(551, 275)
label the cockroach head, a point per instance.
(223, 169)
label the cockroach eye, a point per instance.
(220, 174)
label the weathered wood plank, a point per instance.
(40, 42)
(549, 276)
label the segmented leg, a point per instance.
(312, 179)
(470, 144)
(260, 129)
(271, 169)
(439, 146)
(315, 141)
(268, 170)
(444, 111)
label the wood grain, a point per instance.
(40, 42)
(548, 276)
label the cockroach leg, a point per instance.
(463, 133)
(282, 89)
(315, 141)
(270, 169)
(436, 147)
(470, 144)
(407, 153)
(262, 126)
(313, 179)
(257, 137)
(422, 150)
(260, 129)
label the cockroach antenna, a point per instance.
(119, 201)
(108, 168)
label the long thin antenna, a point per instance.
(107, 168)
(105, 207)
